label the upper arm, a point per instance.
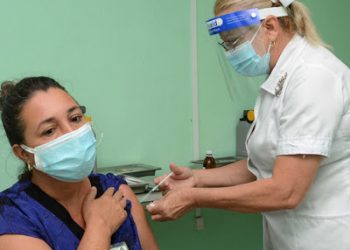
(311, 112)
(146, 236)
(294, 174)
(16, 241)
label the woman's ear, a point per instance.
(272, 27)
(21, 153)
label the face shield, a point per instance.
(245, 44)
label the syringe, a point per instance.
(156, 187)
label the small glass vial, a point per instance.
(209, 161)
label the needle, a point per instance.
(155, 187)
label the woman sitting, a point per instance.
(58, 203)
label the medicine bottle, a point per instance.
(209, 161)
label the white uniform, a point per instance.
(303, 108)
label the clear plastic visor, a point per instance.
(239, 27)
(231, 39)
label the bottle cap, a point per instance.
(209, 152)
(250, 116)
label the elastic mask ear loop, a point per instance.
(271, 44)
(97, 131)
(29, 150)
(269, 48)
(256, 33)
(100, 140)
(248, 41)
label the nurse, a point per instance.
(298, 169)
(58, 203)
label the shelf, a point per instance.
(136, 169)
(221, 161)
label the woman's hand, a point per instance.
(106, 212)
(172, 206)
(182, 177)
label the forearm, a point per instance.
(95, 238)
(286, 189)
(258, 196)
(229, 175)
(291, 178)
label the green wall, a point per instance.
(129, 62)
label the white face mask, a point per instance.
(70, 157)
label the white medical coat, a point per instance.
(303, 108)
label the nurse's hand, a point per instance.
(172, 206)
(106, 212)
(182, 177)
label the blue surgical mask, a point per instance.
(246, 62)
(70, 157)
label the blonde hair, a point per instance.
(298, 19)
